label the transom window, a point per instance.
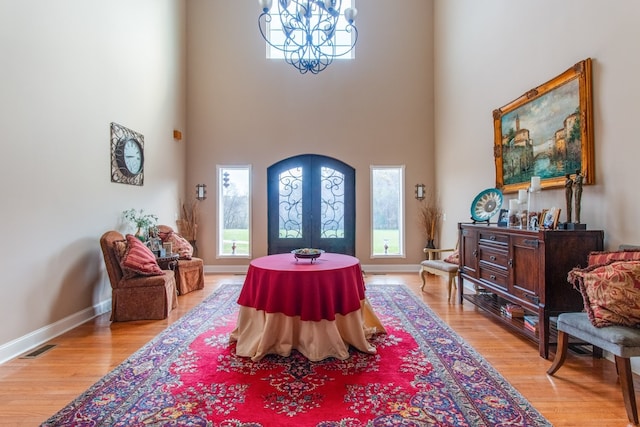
(343, 39)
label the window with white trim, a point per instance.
(343, 39)
(234, 211)
(387, 213)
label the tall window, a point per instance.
(387, 213)
(234, 211)
(343, 39)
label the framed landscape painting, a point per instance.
(547, 132)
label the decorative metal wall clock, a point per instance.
(127, 155)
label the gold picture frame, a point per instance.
(548, 219)
(547, 132)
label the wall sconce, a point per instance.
(419, 191)
(201, 191)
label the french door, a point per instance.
(311, 204)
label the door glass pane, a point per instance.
(331, 204)
(290, 204)
(386, 211)
(234, 204)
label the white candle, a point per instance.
(522, 196)
(535, 183)
(513, 204)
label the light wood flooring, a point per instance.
(584, 392)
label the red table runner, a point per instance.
(331, 285)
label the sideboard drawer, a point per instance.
(494, 278)
(493, 238)
(494, 256)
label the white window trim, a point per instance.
(219, 215)
(401, 213)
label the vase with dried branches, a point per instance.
(429, 218)
(188, 224)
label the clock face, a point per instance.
(132, 157)
(486, 204)
(127, 155)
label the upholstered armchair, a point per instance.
(189, 270)
(142, 292)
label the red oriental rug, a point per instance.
(423, 375)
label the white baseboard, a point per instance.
(34, 339)
(21, 345)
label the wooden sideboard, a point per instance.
(524, 267)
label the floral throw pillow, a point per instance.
(454, 258)
(605, 257)
(121, 248)
(179, 245)
(138, 259)
(611, 292)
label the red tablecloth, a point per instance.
(317, 308)
(331, 285)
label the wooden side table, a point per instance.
(168, 262)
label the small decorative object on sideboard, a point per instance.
(573, 196)
(485, 205)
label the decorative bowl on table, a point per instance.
(307, 253)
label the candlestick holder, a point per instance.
(533, 216)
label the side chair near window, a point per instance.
(447, 267)
(189, 269)
(611, 297)
(140, 289)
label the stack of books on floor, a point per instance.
(531, 323)
(512, 310)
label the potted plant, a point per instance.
(429, 217)
(141, 220)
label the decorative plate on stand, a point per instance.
(486, 204)
(307, 253)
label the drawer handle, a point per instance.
(492, 258)
(532, 242)
(510, 262)
(492, 237)
(492, 277)
(475, 253)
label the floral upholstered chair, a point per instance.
(189, 270)
(140, 289)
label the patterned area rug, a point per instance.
(423, 375)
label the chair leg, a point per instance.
(561, 352)
(450, 286)
(423, 273)
(623, 365)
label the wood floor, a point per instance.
(584, 392)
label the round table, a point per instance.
(317, 308)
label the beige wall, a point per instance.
(68, 69)
(245, 109)
(492, 51)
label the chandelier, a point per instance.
(309, 31)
